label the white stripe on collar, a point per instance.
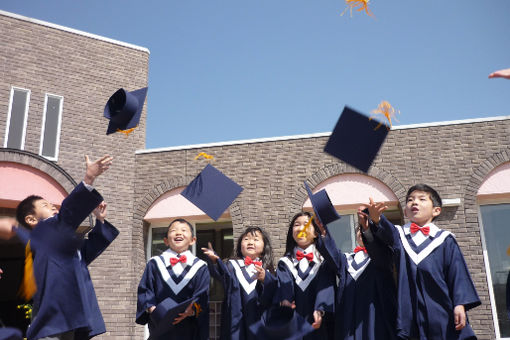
(417, 258)
(303, 284)
(358, 258)
(248, 287)
(177, 287)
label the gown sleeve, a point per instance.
(146, 293)
(78, 205)
(285, 290)
(98, 240)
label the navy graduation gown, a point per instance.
(245, 299)
(65, 299)
(433, 279)
(161, 280)
(366, 293)
(312, 289)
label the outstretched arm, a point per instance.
(501, 74)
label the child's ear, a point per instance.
(436, 211)
(165, 239)
(31, 220)
(193, 240)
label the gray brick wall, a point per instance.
(452, 158)
(85, 71)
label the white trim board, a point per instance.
(72, 30)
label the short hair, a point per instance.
(181, 220)
(434, 196)
(25, 208)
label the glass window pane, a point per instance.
(51, 127)
(17, 119)
(497, 240)
(158, 245)
(342, 231)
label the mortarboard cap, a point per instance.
(324, 210)
(164, 315)
(356, 139)
(212, 191)
(124, 109)
(8, 333)
(281, 323)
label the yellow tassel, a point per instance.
(128, 131)
(206, 156)
(359, 5)
(387, 111)
(303, 231)
(28, 286)
(198, 309)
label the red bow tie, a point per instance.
(248, 261)
(415, 228)
(300, 255)
(175, 260)
(358, 249)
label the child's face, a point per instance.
(252, 245)
(179, 237)
(42, 210)
(299, 224)
(419, 208)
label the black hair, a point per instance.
(434, 196)
(267, 251)
(25, 208)
(181, 220)
(291, 243)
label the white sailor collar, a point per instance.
(357, 263)
(435, 238)
(248, 285)
(169, 253)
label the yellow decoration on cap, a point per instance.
(359, 5)
(198, 308)
(206, 156)
(303, 232)
(128, 131)
(387, 111)
(28, 286)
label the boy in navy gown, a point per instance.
(178, 275)
(248, 283)
(305, 282)
(434, 286)
(65, 304)
(366, 292)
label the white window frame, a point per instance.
(25, 118)
(59, 124)
(492, 298)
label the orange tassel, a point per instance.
(206, 156)
(198, 309)
(28, 286)
(359, 5)
(302, 232)
(387, 111)
(128, 131)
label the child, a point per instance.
(247, 281)
(435, 288)
(65, 305)
(366, 293)
(177, 275)
(304, 282)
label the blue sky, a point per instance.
(238, 69)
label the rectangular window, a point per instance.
(17, 118)
(496, 242)
(50, 133)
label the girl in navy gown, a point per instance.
(248, 281)
(304, 281)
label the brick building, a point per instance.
(468, 162)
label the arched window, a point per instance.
(347, 192)
(493, 198)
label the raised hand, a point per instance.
(100, 212)
(6, 228)
(375, 210)
(96, 168)
(501, 74)
(209, 252)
